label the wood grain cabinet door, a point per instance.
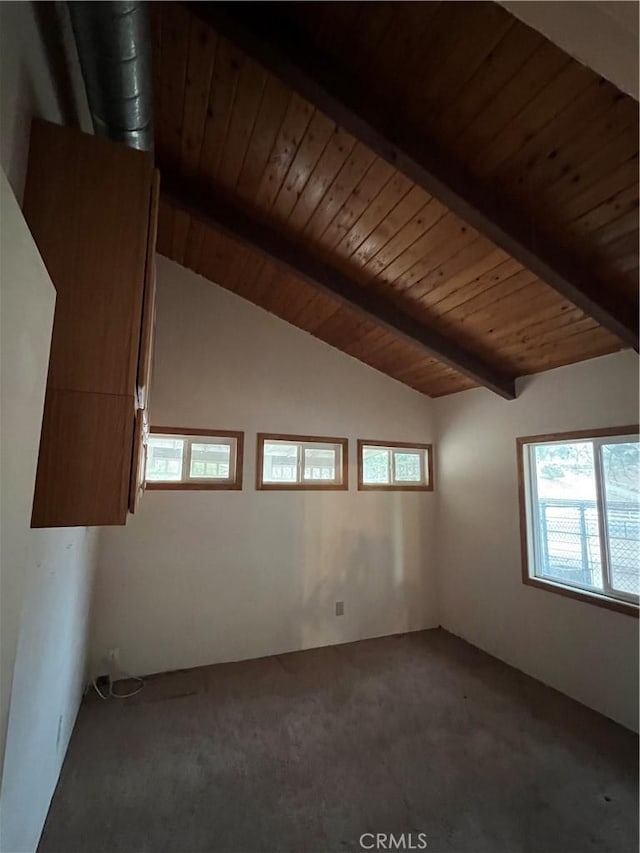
(87, 205)
(83, 466)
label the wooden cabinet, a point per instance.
(85, 457)
(91, 205)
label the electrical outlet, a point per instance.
(339, 608)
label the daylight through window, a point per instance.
(581, 513)
(199, 459)
(301, 462)
(391, 465)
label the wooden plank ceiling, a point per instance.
(545, 133)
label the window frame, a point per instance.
(303, 486)
(397, 486)
(232, 484)
(527, 514)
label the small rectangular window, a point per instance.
(301, 462)
(580, 515)
(394, 466)
(179, 458)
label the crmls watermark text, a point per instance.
(391, 841)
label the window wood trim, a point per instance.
(343, 486)
(383, 487)
(229, 485)
(548, 584)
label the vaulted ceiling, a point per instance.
(433, 188)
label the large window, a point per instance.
(390, 465)
(194, 459)
(301, 462)
(580, 514)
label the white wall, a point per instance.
(201, 577)
(37, 78)
(45, 575)
(602, 34)
(583, 650)
(26, 292)
(48, 679)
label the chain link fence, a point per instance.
(570, 542)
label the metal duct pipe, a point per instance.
(114, 47)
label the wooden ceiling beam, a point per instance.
(213, 208)
(258, 30)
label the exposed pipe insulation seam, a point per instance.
(114, 48)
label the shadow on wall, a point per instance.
(37, 79)
(15, 148)
(369, 575)
(50, 25)
(200, 578)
